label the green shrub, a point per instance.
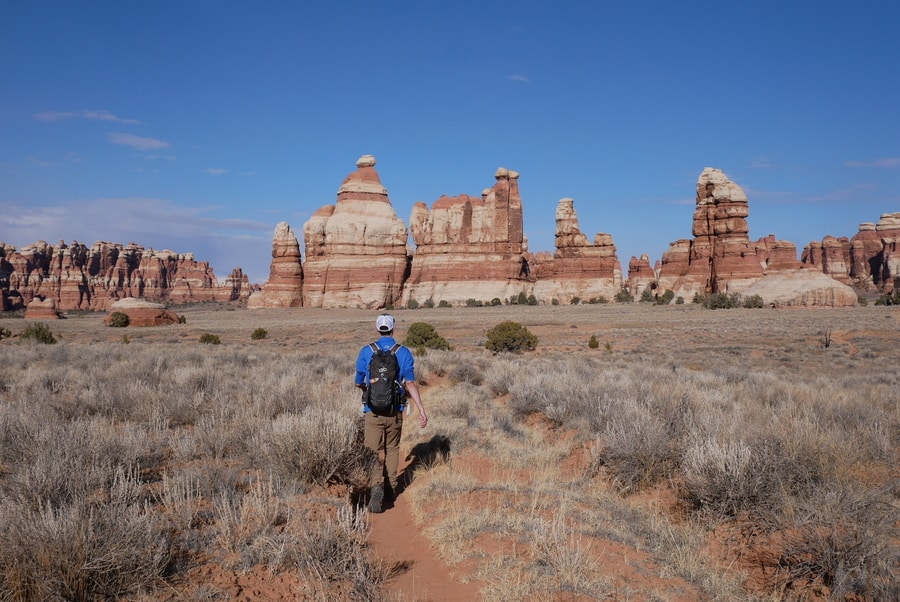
(39, 332)
(754, 302)
(623, 296)
(679, 301)
(532, 300)
(889, 298)
(647, 296)
(496, 301)
(259, 334)
(719, 300)
(429, 303)
(444, 303)
(182, 319)
(473, 303)
(665, 298)
(423, 335)
(554, 301)
(5, 333)
(118, 319)
(510, 336)
(412, 304)
(598, 300)
(575, 300)
(210, 339)
(521, 299)
(862, 301)
(593, 343)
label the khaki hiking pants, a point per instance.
(382, 434)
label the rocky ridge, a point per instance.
(868, 260)
(78, 277)
(473, 248)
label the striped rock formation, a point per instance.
(722, 259)
(870, 259)
(356, 253)
(284, 288)
(469, 247)
(579, 268)
(76, 276)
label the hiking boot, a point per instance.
(376, 497)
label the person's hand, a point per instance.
(423, 419)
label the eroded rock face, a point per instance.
(470, 247)
(284, 288)
(579, 268)
(641, 276)
(76, 276)
(356, 253)
(868, 259)
(777, 255)
(720, 258)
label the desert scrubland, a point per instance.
(694, 454)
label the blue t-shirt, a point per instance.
(404, 359)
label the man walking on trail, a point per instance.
(383, 426)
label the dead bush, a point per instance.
(83, 551)
(843, 539)
(317, 446)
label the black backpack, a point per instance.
(384, 391)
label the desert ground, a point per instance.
(691, 454)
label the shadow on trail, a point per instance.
(424, 455)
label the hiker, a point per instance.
(383, 425)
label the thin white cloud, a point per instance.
(885, 163)
(137, 142)
(91, 115)
(215, 171)
(519, 78)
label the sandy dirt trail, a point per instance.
(416, 571)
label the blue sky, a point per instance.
(197, 125)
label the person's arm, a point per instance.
(413, 390)
(362, 363)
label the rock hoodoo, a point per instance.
(356, 253)
(579, 268)
(284, 288)
(720, 258)
(469, 247)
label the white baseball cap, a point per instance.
(384, 323)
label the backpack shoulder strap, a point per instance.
(373, 347)
(395, 347)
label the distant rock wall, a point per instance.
(871, 259)
(76, 276)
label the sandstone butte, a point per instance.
(473, 248)
(77, 277)
(357, 253)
